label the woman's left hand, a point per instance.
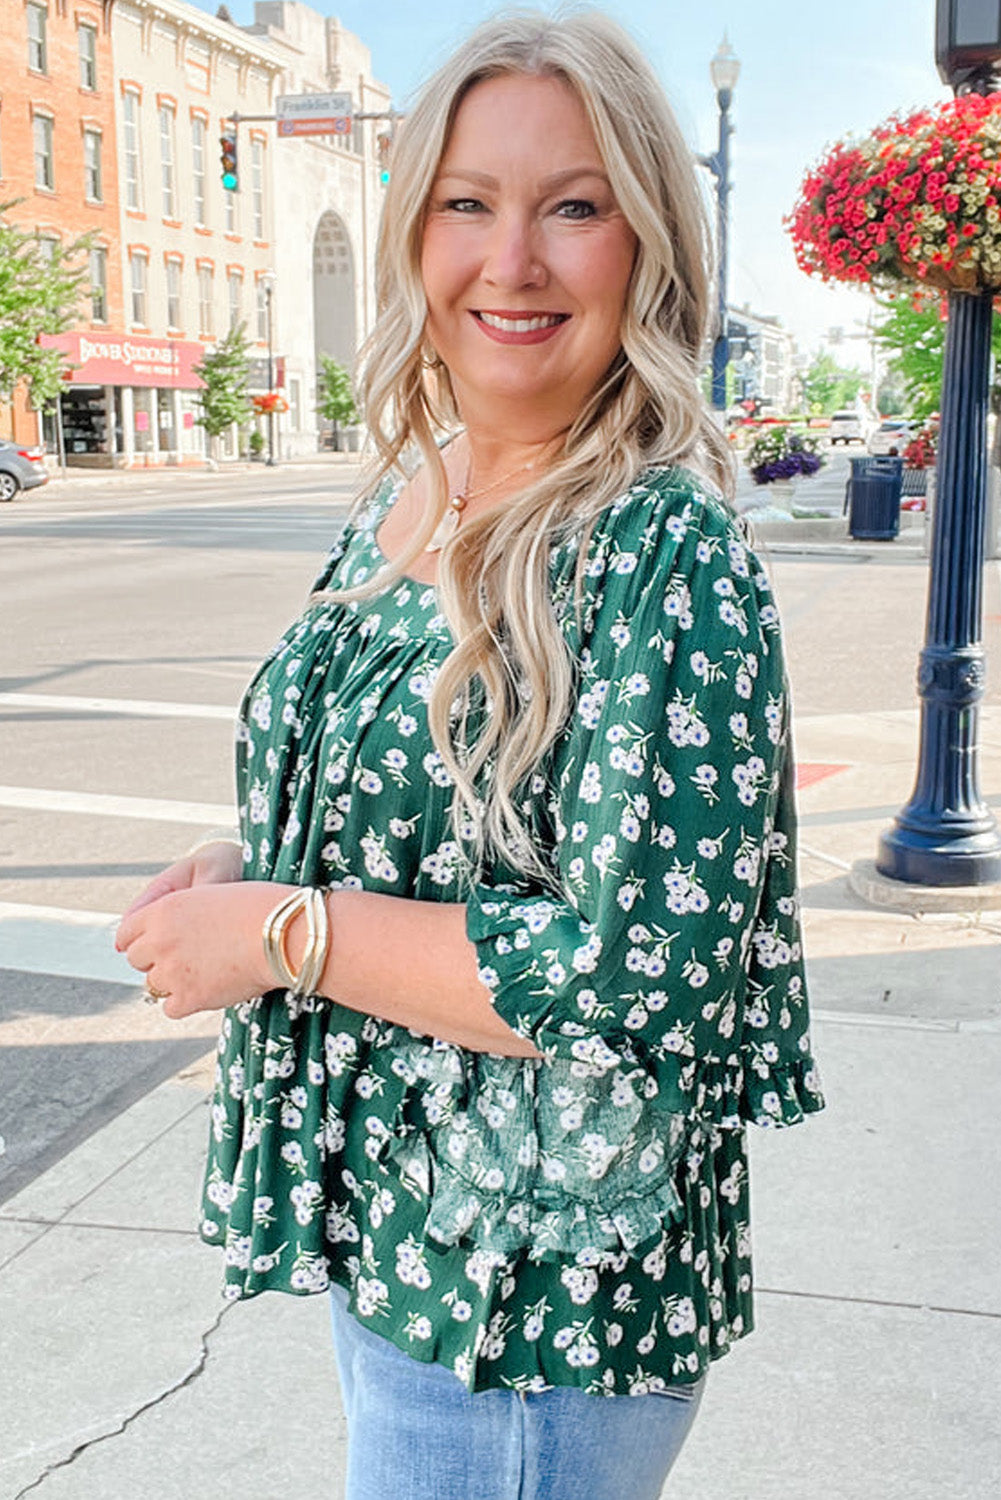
(202, 947)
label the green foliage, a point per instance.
(828, 386)
(225, 370)
(336, 402)
(912, 330)
(41, 283)
(255, 443)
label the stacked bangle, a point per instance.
(311, 901)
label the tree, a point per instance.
(911, 328)
(225, 370)
(828, 386)
(41, 281)
(336, 402)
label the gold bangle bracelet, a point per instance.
(311, 902)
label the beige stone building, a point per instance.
(328, 198)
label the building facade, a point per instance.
(195, 258)
(328, 198)
(111, 118)
(58, 156)
(763, 356)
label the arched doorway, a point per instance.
(334, 325)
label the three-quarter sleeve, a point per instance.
(671, 943)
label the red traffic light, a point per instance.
(227, 157)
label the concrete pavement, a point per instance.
(873, 1373)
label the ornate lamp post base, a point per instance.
(946, 835)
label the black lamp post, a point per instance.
(946, 835)
(268, 282)
(724, 70)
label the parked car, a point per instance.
(21, 468)
(891, 437)
(847, 427)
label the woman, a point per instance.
(516, 826)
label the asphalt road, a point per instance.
(132, 611)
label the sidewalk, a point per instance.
(873, 1374)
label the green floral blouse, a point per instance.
(581, 1219)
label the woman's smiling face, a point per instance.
(526, 256)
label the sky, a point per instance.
(810, 74)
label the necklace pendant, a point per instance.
(448, 524)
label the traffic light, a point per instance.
(227, 157)
(384, 144)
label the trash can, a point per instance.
(872, 498)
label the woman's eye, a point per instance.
(576, 208)
(463, 205)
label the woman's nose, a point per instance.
(513, 257)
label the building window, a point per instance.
(230, 213)
(167, 180)
(86, 41)
(47, 247)
(257, 186)
(173, 294)
(234, 284)
(99, 285)
(262, 312)
(38, 46)
(92, 165)
(198, 168)
(137, 270)
(205, 294)
(130, 143)
(44, 173)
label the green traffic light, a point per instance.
(229, 181)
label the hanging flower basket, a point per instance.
(917, 200)
(269, 402)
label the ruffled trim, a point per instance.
(507, 1166)
(777, 1094)
(488, 1150)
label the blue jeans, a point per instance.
(415, 1433)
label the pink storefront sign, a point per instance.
(126, 359)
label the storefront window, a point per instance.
(85, 420)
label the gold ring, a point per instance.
(154, 996)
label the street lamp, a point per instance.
(724, 70)
(946, 834)
(268, 280)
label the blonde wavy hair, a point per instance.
(504, 693)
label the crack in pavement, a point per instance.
(179, 1385)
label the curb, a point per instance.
(896, 895)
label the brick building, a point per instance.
(58, 154)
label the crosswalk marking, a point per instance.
(139, 707)
(104, 805)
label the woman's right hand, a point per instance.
(216, 863)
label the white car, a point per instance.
(847, 427)
(891, 437)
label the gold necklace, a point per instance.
(449, 523)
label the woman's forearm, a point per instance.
(411, 963)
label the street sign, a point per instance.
(314, 114)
